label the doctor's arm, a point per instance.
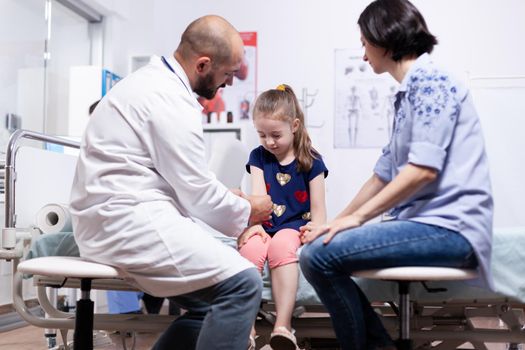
(178, 154)
(407, 183)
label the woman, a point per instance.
(433, 178)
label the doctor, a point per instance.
(142, 177)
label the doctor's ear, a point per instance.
(203, 65)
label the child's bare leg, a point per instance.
(284, 289)
(282, 258)
(255, 250)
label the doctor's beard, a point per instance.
(206, 87)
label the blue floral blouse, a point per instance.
(437, 126)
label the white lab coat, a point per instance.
(142, 177)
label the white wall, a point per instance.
(22, 35)
(22, 31)
(69, 45)
(296, 45)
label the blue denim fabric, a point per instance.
(386, 244)
(218, 317)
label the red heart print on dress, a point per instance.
(301, 196)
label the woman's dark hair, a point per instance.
(398, 27)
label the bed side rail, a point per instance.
(11, 239)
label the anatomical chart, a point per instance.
(364, 102)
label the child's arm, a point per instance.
(257, 180)
(317, 200)
(258, 185)
(258, 188)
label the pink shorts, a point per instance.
(281, 249)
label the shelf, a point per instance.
(225, 126)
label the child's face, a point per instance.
(276, 136)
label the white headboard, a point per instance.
(501, 106)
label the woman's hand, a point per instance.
(311, 231)
(249, 233)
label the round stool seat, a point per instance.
(418, 273)
(63, 266)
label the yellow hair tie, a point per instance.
(281, 87)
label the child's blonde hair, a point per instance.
(282, 104)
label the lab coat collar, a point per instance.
(179, 71)
(421, 61)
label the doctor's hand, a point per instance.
(238, 192)
(311, 231)
(249, 233)
(261, 208)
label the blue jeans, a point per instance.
(386, 244)
(218, 317)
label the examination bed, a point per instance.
(444, 315)
(448, 316)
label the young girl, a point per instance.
(291, 171)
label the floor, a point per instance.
(32, 338)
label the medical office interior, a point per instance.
(60, 56)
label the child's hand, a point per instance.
(249, 233)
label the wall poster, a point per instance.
(364, 102)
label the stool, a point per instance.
(86, 271)
(403, 276)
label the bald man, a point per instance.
(142, 179)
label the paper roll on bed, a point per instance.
(54, 218)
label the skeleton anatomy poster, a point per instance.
(364, 102)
